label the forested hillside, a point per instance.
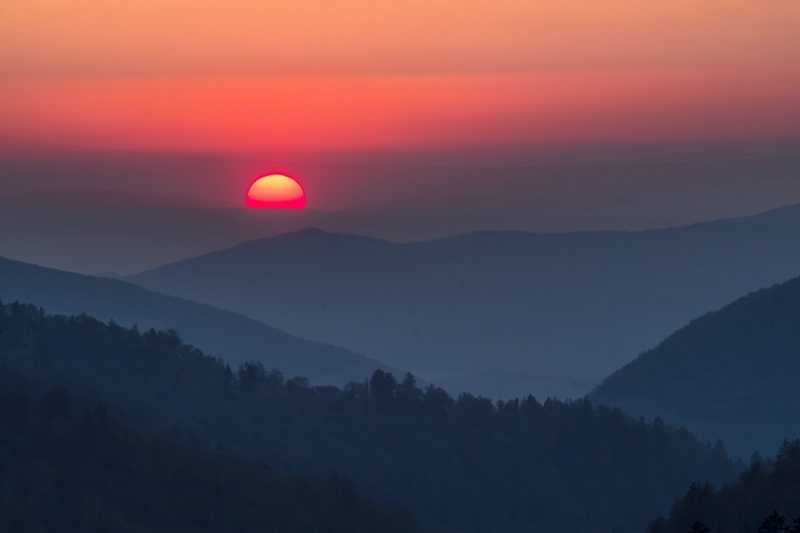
(463, 464)
(229, 335)
(765, 499)
(730, 374)
(69, 466)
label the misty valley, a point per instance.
(640, 381)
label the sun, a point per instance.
(276, 191)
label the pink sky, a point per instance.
(280, 78)
(264, 86)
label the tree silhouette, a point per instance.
(699, 527)
(382, 387)
(774, 523)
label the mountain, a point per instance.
(575, 305)
(92, 232)
(729, 374)
(465, 464)
(766, 498)
(89, 229)
(231, 336)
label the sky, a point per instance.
(307, 78)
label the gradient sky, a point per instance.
(276, 78)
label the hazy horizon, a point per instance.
(673, 183)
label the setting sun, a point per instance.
(276, 191)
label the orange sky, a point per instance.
(279, 77)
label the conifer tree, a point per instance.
(774, 523)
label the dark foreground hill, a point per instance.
(766, 499)
(730, 374)
(578, 304)
(465, 465)
(69, 467)
(229, 335)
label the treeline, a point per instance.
(463, 464)
(765, 499)
(68, 466)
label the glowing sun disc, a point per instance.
(276, 191)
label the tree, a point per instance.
(699, 527)
(382, 387)
(251, 373)
(407, 390)
(774, 523)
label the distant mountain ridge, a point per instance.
(229, 335)
(85, 230)
(729, 374)
(575, 305)
(789, 214)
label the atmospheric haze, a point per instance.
(401, 267)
